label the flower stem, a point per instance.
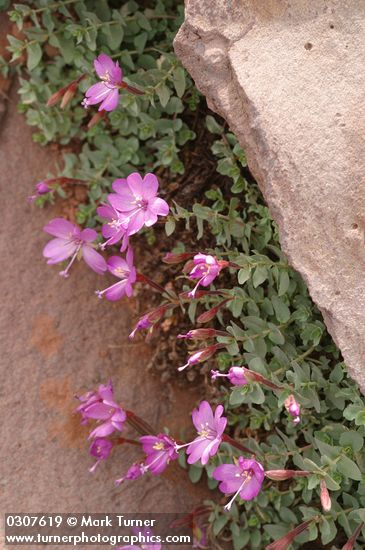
(228, 439)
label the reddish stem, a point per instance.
(122, 440)
(228, 439)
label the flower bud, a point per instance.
(171, 258)
(97, 117)
(351, 542)
(284, 542)
(293, 408)
(200, 356)
(201, 334)
(282, 475)
(211, 313)
(325, 496)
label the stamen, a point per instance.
(229, 505)
(65, 272)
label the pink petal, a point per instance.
(94, 259)
(150, 186)
(96, 93)
(88, 235)
(135, 183)
(150, 218)
(122, 203)
(251, 489)
(111, 101)
(116, 263)
(195, 450)
(106, 211)
(120, 185)
(102, 64)
(136, 223)
(58, 250)
(159, 207)
(116, 291)
(59, 227)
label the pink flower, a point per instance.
(293, 408)
(113, 230)
(100, 405)
(134, 472)
(210, 429)
(100, 448)
(136, 199)
(149, 319)
(71, 242)
(160, 450)
(206, 268)
(244, 478)
(126, 272)
(200, 356)
(105, 92)
(236, 376)
(41, 188)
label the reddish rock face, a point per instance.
(289, 77)
(58, 339)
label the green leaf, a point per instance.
(179, 81)
(259, 276)
(195, 473)
(282, 312)
(349, 468)
(34, 55)
(213, 125)
(284, 283)
(244, 275)
(352, 438)
(163, 93)
(170, 226)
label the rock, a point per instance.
(289, 78)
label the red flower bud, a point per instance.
(171, 258)
(96, 118)
(351, 542)
(325, 496)
(282, 475)
(284, 542)
(202, 334)
(211, 313)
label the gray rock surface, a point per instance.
(289, 77)
(58, 339)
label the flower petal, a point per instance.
(94, 259)
(97, 93)
(111, 101)
(103, 64)
(115, 292)
(135, 184)
(159, 207)
(59, 227)
(88, 235)
(58, 250)
(149, 186)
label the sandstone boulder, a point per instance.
(289, 77)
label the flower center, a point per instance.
(159, 446)
(206, 432)
(141, 203)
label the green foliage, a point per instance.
(146, 132)
(273, 326)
